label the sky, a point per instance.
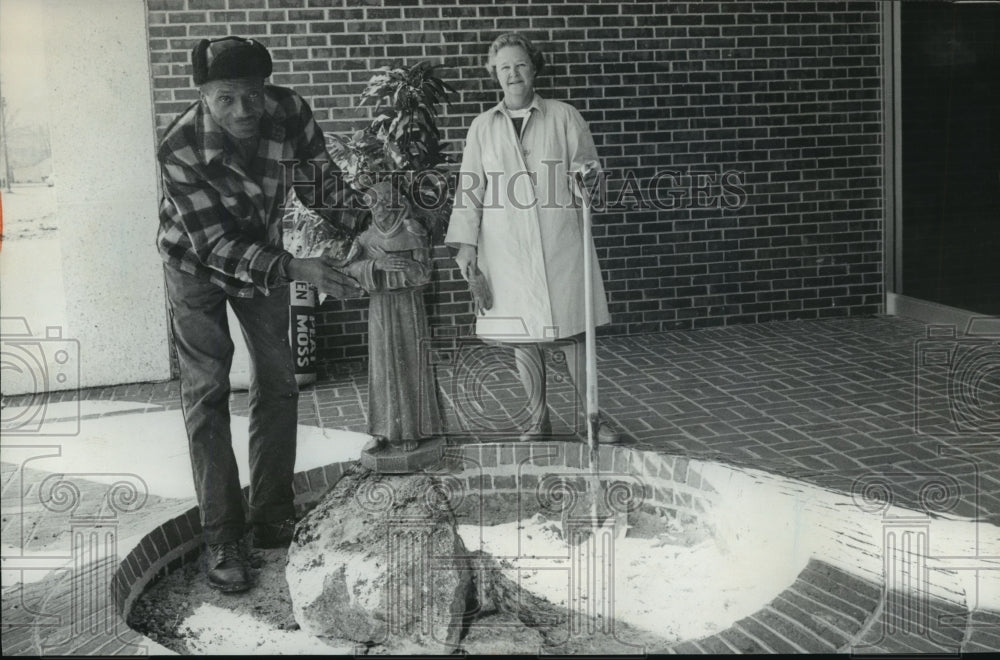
(22, 60)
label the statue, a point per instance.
(392, 261)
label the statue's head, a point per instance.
(386, 201)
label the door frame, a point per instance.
(895, 302)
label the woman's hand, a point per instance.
(466, 260)
(586, 183)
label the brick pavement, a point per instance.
(828, 402)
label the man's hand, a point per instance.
(466, 260)
(323, 274)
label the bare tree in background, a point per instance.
(6, 120)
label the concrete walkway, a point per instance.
(875, 408)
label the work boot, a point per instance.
(275, 534)
(227, 567)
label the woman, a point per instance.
(517, 220)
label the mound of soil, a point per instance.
(185, 615)
(182, 613)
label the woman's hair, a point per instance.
(513, 39)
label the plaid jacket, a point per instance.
(222, 223)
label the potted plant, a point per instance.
(401, 141)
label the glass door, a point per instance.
(949, 111)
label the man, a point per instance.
(220, 237)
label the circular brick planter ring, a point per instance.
(644, 552)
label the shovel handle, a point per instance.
(588, 306)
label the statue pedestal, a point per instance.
(381, 457)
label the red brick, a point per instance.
(849, 616)
(504, 482)
(19, 642)
(742, 642)
(793, 631)
(172, 533)
(680, 470)
(488, 456)
(806, 614)
(300, 483)
(765, 635)
(838, 583)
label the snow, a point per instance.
(214, 630)
(33, 567)
(152, 446)
(675, 591)
(31, 283)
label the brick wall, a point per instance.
(779, 101)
